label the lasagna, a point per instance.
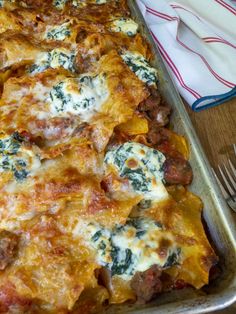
(94, 205)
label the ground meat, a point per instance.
(157, 112)
(155, 109)
(8, 248)
(177, 171)
(147, 284)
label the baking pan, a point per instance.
(221, 292)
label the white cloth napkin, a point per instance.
(197, 40)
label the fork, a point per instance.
(228, 187)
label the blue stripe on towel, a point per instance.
(214, 100)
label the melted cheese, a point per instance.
(56, 58)
(142, 166)
(83, 96)
(124, 25)
(140, 66)
(17, 158)
(58, 32)
(4, 2)
(59, 4)
(132, 247)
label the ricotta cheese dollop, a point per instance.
(142, 166)
(82, 96)
(140, 66)
(124, 25)
(135, 246)
(16, 157)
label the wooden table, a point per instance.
(216, 129)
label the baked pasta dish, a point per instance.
(94, 206)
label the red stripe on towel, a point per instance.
(217, 39)
(160, 14)
(227, 6)
(219, 78)
(174, 69)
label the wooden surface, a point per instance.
(216, 129)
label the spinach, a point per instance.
(64, 60)
(54, 59)
(11, 145)
(140, 66)
(20, 174)
(59, 97)
(9, 148)
(137, 177)
(59, 4)
(59, 33)
(86, 103)
(173, 258)
(102, 246)
(121, 260)
(96, 235)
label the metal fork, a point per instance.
(228, 188)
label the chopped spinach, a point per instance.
(123, 248)
(20, 174)
(121, 260)
(59, 33)
(80, 96)
(147, 169)
(11, 145)
(137, 178)
(9, 160)
(62, 99)
(140, 66)
(102, 246)
(59, 4)
(54, 59)
(96, 235)
(173, 258)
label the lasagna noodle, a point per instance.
(125, 90)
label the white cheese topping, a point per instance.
(100, 1)
(4, 2)
(132, 247)
(59, 57)
(58, 32)
(83, 3)
(140, 66)
(82, 96)
(16, 157)
(59, 4)
(124, 25)
(142, 166)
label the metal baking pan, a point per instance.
(222, 292)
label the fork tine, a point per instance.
(231, 179)
(225, 194)
(231, 192)
(232, 167)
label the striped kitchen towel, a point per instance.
(197, 40)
